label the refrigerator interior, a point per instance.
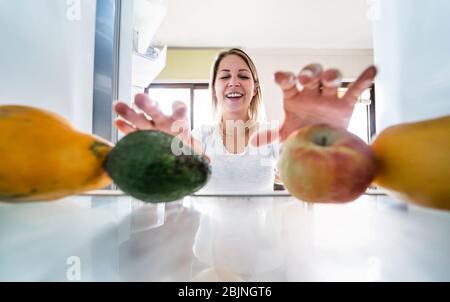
(76, 57)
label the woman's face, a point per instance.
(234, 86)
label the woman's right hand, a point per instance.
(152, 117)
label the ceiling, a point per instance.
(326, 24)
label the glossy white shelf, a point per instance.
(212, 238)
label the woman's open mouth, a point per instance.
(234, 96)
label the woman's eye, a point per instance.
(242, 77)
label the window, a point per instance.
(199, 112)
(362, 122)
(198, 99)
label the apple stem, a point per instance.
(323, 141)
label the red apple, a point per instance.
(320, 163)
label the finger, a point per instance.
(120, 107)
(309, 78)
(144, 103)
(331, 80)
(264, 137)
(138, 120)
(179, 110)
(123, 126)
(363, 82)
(287, 83)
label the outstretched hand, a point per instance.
(311, 97)
(151, 117)
(148, 116)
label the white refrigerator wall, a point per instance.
(412, 52)
(47, 56)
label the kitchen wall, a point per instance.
(193, 65)
(188, 65)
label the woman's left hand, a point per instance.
(311, 97)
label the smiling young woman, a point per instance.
(236, 98)
(242, 156)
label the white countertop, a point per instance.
(209, 238)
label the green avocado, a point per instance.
(143, 165)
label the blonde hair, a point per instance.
(255, 103)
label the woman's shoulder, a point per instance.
(274, 146)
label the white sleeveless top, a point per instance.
(251, 171)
